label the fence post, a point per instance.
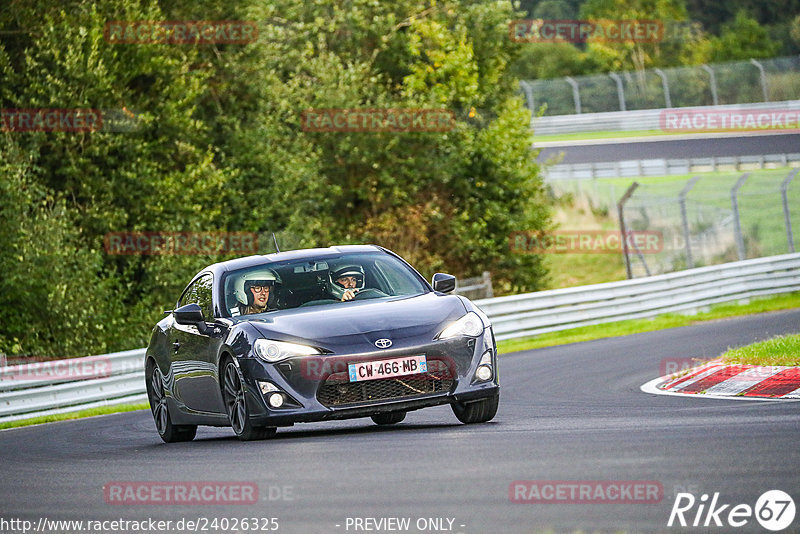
(713, 78)
(641, 257)
(487, 282)
(620, 91)
(622, 232)
(528, 90)
(787, 218)
(665, 85)
(682, 200)
(737, 225)
(576, 95)
(760, 68)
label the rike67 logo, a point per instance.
(774, 510)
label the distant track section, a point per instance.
(747, 145)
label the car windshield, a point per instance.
(319, 281)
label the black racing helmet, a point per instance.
(354, 270)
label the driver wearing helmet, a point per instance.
(255, 291)
(346, 281)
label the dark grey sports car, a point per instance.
(310, 335)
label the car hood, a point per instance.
(352, 326)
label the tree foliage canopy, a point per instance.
(696, 32)
(219, 145)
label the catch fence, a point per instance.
(739, 82)
(706, 219)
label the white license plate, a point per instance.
(407, 365)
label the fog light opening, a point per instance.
(276, 400)
(483, 373)
(267, 387)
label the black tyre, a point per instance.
(158, 406)
(478, 411)
(391, 418)
(233, 393)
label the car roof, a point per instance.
(308, 253)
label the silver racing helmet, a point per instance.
(265, 277)
(356, 271)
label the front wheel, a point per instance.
(158, 406)
(478, 411)
(233, 393)
(391, 418)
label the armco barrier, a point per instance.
(663, 167)
(50, 390)
(512, 316)
(683, 291)
(635, 120)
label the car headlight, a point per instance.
(484, 371)
(275, 351)
(468, 325)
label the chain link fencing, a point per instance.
(702, 220)
(739, 82)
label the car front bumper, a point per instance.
(318, 388)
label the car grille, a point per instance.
(336, 390)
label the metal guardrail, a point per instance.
(684, 291)
(752, 80)
(635, 120)
(49, 391)
(664, 167)
(61, 386)
(479, 287)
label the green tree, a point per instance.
(218, 144)
(54, 293)
(743, 38)
(445, 201)
(688, 47)
(159, 177)
(539, 61)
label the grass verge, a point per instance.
(781, 350)
(669, 320)
(103, 410)
(596, 135)
(569, 270)
(759, 201)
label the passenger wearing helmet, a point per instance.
(255, 291)
(346, 281)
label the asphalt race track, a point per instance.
(753, 145)
(566, 413)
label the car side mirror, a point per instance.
(444, 283)
(190, 314)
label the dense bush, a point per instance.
(217, 144)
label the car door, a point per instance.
(194, 354)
